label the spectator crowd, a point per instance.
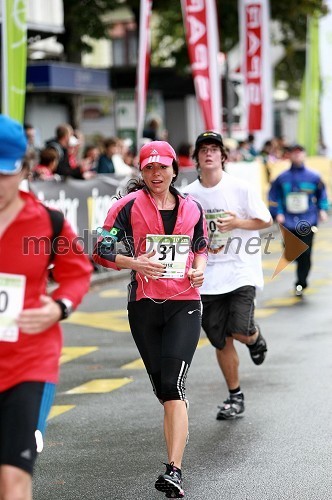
(68, 154)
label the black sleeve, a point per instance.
(199, 242)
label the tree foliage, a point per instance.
(83, 18)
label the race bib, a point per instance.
(216, 238)
(171, 250)
(297, 203)
(12, 290)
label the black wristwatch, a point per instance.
(66, 307)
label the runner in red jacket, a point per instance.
(30, 335)
(161, 235)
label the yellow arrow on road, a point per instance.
(100, 386)
(57, 410)
(70, 353)
(116, 321)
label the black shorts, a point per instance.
(23, 411)
(229, 313)
(166, 336)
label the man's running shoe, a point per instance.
(232, 408)
(299, 291)
(258, 349)
(170, 482)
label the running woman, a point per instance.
(164, 234)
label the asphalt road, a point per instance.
(109, 445)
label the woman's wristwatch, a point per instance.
(66, 306)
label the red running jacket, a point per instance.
(35, 358)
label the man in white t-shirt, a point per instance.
(234, 214)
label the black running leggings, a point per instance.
(304, 260)
(166, 336)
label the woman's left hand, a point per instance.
(196, 277)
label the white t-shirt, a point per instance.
(239, 262)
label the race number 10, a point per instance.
(12, 290)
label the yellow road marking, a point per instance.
(272, 264)
(269, 279)
(101, 385)
(137, 364)
(271, 246)
(70, 353)
(324, 230)
(105, 320)
(113, 293)
(269, 264)
(321, 282)
(203, 342)
(283, 301)
(322, 245)
(264, 313)
(57, 410)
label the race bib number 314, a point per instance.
(171, 250)
(12, 289)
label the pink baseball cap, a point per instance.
(156, 152)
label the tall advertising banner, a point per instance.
(14, 57)
(325, 51)
(144, 49)
(308, 125)
(256, 65)
(202, 36)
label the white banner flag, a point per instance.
(325, 59)
(256, 66)
(143, 66)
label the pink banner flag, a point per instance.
(253, 63)
(143, 66)
(200, 22)
(256, 64)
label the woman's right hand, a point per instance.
(145, 266)
(196, 277)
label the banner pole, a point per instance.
(143, 66)
(4, 60)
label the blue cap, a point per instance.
(13, 145)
